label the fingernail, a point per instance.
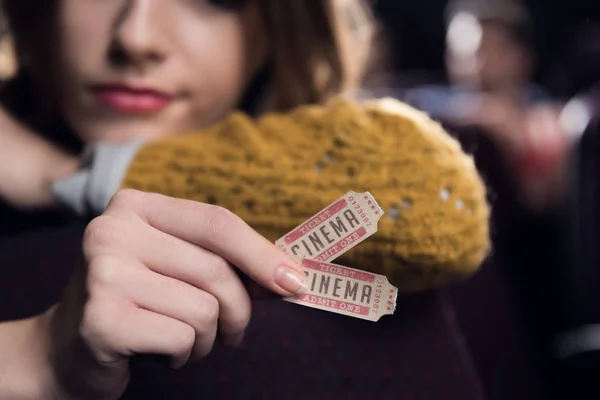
(289, 279)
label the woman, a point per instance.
(111, 71)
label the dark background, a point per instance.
(416, 31)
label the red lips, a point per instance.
(131, 99)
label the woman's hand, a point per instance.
(158, 279)
(29, 165)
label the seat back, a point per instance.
(291, 351)
(487, 305)
(576, 348)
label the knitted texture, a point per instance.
(280, 170)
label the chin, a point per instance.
(115, 135)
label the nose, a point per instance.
(137, 34)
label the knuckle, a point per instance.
(98, 324)
(208, 312)
(218, 221)
(241, 319)
(102, 272)
(125, 198)
(183, 338)
(218, 269)
(102, 232)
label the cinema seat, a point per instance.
(291, 352)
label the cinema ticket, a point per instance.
(346, 291)
(334, 230)
(324, 237)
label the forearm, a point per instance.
(24, 365)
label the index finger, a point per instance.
(219, 231)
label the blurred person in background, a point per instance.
(489, 53)
(490, 61)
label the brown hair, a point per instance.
(319, 48)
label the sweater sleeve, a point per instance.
(278, 171)
(89, 190)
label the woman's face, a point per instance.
(151, 68)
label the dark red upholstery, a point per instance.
(291, 352)
(578, 285)
(493, 307)
(487, 305)
(543, 279)
(580, 291)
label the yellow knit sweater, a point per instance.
(280, 170)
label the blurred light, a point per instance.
(575, 118)
(581, 340)
(464, 34)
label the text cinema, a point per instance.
(325, 235)
(345, 289)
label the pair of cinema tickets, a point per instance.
(326, 236)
